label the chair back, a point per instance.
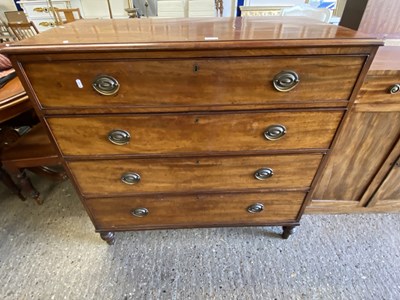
(16, 17)
(67, 15)
(6, 35)
(23, 30)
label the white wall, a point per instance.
(6, 5)
(99, 9)
(273, 2)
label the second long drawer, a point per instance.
(198, 174)
(188, 133)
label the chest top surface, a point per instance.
(203, 33)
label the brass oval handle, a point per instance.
(140, 212)
(255, 208)
(130, 178)
(264, 173)
(105, 85)
(119, 137)
(285, 81)
(41, 9)
(394, 89)
(47, 24)
(274, 132)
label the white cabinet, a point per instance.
(98, 9)
(40, 13)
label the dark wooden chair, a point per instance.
(33, 151)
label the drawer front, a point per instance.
(381, 89)
(191, 82)
(197, 210)
(162, 134)
(105, 177)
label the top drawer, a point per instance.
(193, 82)
(380, 87)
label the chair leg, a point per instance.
(49, 172)
(26, 186)
(9, 183)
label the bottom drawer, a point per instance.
(194, 210)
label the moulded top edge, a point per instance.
(194, 33)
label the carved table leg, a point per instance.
(6, 179)
(27, 186)
(287, 231)
(108, 236)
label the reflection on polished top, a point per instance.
(386, 59)
(188, 33)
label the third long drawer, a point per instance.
(100, 178)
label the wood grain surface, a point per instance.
(381, 17)
(188, 133)
(175, 82)
(183, 175)
(192, 210)
(386, 59)
(366, 140)
(390, 188)
(385, 185)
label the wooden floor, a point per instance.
(52, 252)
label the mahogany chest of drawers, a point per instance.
(193, 122)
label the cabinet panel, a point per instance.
(386, 193)
(390, 188)
(362, 147)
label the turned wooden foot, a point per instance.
(108, 236)
(9, 183)
(287, 231)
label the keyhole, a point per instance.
(196, 68)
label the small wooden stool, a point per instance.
(35, 152)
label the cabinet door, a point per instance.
(365, 149)
(387, 195)
(390, 188)
(362, 147)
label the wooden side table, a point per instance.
(13, 103)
